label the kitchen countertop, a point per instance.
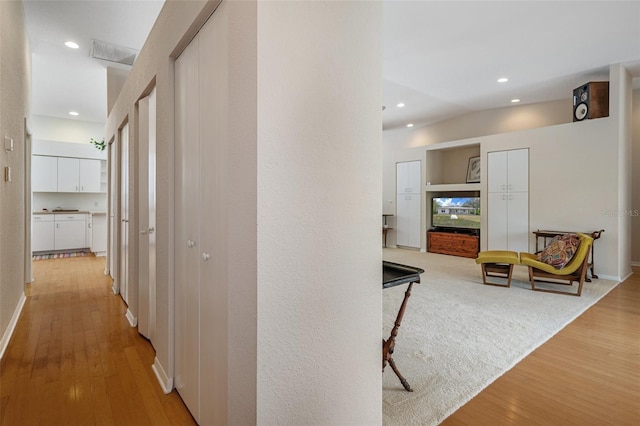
(71, 212)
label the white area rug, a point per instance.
(458, 335)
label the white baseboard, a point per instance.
(626, 276)
(635, 263)
(114, 288)
(132, 320)
(4, 342)
(165, 382)
(607, 277)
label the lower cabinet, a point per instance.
(42, 232)
(463, 245)
(70, 231)
(98, 230)
(58, 232)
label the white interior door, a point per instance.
(151, 189)
(28, 255)
(143, 207)
(124, 214)
(147, 217)
(113, 214)
(187, 237)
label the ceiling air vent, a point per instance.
(113, 53)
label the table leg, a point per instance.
(388, 345)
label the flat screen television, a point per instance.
(455, 213)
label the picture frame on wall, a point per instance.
(473, 170)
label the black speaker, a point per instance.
(591, 101)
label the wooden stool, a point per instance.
(497, 263)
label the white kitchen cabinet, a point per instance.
(68, 174)
(508, 200)
(44, 176)
(98, 230)
(90, 175)
(65, 174)
(70, 231)
(42, 233)
(408, 204)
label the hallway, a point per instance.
(75, 360)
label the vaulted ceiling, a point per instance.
(441, 58)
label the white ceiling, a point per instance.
(441, 58)
(66, 80)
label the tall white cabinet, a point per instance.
(408, 203)
(508, 200)
(200, 214)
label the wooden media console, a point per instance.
(455, 244)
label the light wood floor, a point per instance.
(75, 360)
(587, 374)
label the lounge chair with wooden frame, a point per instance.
(575, 270)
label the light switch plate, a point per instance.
(8, 143)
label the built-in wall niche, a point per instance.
(446, 166)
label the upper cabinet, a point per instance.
(44, 177)
(62, 174)
(508, 171)
(68, 174)
(67, 167)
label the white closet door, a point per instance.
(123, 266)
(113, 212)
(408, 220)
(497, 221)
(213, 213)
(408, 204)
(518, 221)
(497, 171)
(402, 178)
(518, 170)
(413, 177)
(187, 235)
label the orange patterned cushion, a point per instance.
(560, 250)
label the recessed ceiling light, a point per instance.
(400, 105)
(74, 113)
(515, 101)
(503, 80)
(410, 125)
(71, 44)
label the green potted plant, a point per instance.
(98, 144)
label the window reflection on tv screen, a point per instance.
(455, 212)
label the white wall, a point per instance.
(15, 89)
(577, 181)
(319, 255)
(635, 179)
(78, 201)
(303, 206)
(65, 130)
